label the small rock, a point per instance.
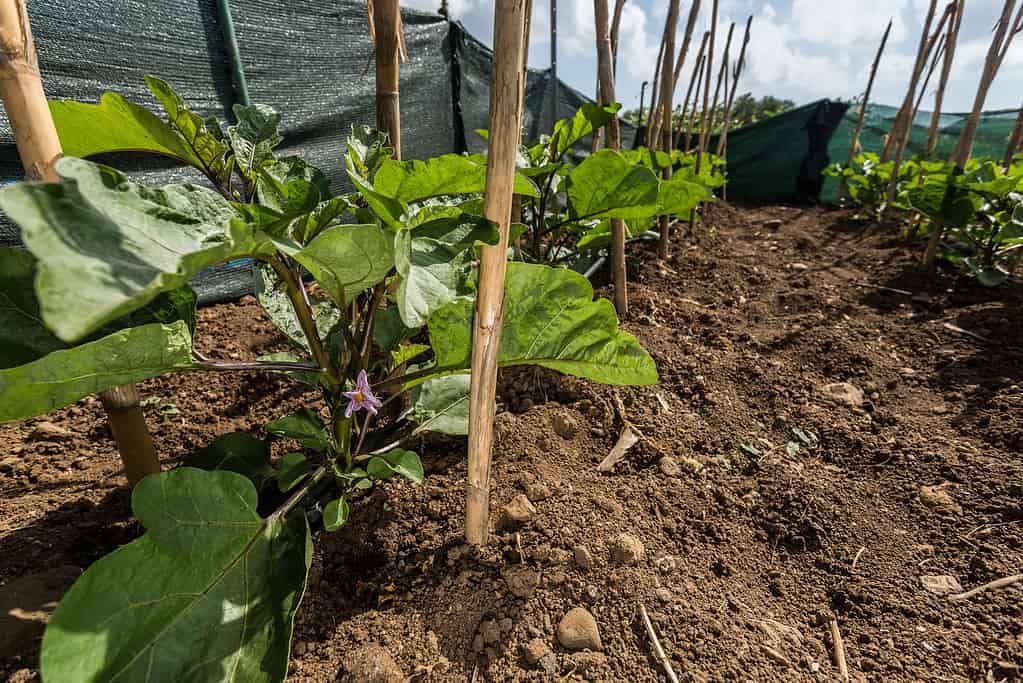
(664, 595)
(521, 581)
(691, 464)
(610, 506)
(772, 224)
(626, 550)
(535, 650)
(583, 558)
(670, 467)
(565, 426)
(938, 498)
(941, 585)
(587, 662)
(798, 266)
(9, 465)
(516, 513)
(538, 491)
(371, 663)
(47, 431)
(578, 631)
(842, 393)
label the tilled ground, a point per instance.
(833, 437)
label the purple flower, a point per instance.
(362, 396)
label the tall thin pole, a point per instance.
(723, 141)
(863, 105)
(554, 63)
(1015, 141)
(907, 102)
(708, 67)
(694, 12)
(386, 16)
(505, 127)
(951, 42)
(21, 89)
(667, 97)
(701, 65)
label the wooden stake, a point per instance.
(21, 90)
(951, 41)
(863, 105)
(694, 12)
(938, 53)
(722, 78)
(654, 118)
(907, 102)
(1005, 31)
(667, 105)
(616, 25)
(385, 20)
(739, 66)
(709, 72)
(605, 72)
(697, 80)
(839, 647)
(505, 126)
(1015, 145)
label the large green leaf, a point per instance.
(209, 593)
(449, 174)
(236, 452)
(348, 259)
(567, 132)
(291, 187)
(106, 246)
(396, 461)
(305, 427)
(550, 319)
(679, 196)
(62, 377)
(606, 185)
(441, 405)
(202, 137)
(367, 150)
(115, 125)
(272, 295)
(254, 137)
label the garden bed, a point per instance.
(750, 544)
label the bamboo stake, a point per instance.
(655, 110)
(505, 126)
(667, 97)
(1015, 141)
(739, 66)
(951, 42)
(722, 74)
(1005, 31)
(908, 99)
(939, 52)
(697, 80)
(21, 90)
(708, 73)
(385, 20)
(863, 105)
(616, 25)
(614, 141)
(694, 12)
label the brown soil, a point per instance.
(754, 537)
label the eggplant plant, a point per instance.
(572, 211)
(373, 289)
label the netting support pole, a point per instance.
(21, 89)
(234, 55)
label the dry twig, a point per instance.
(992, 585)
(839, 645)
(658, 650)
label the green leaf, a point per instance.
(397, 461)
(62, 377)
(441, 405)
(606, 185)
(209, 593)
(292, 187)
(679, 196)
(106, 246)
(335, 514)
(448, 174)
(305, 427)
(313, 379)
(432, 274)
(236, 452)
(254, 137)
(567, 132)
(291, 469)
(550, 319)
(115, 125)
(367, 150)
(348, 259)
(272, 295)
(403, 354)
(205, 141)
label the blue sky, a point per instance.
(802, 50)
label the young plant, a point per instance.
(101, 298)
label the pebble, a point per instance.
(842, 393)
(941, 585)
(938, 498)
(47, 431)
(583, 558)
(626, 550)
(535, 650)
(578, 630)
(565, 426)
(538, 491)
(521, 581)
(371, 663)
(664, 595)
(670, 467)
(517, 512)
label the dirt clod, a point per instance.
(371, 663)
(516, 513)
(48, 431)
(565, 425)
(535, 650)
(521, 581)
(626, 549)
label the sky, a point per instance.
(802, 50)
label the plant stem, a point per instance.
(298, 495)
(299, 298)
(267, 366)
(367, 330)
(412, 376)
